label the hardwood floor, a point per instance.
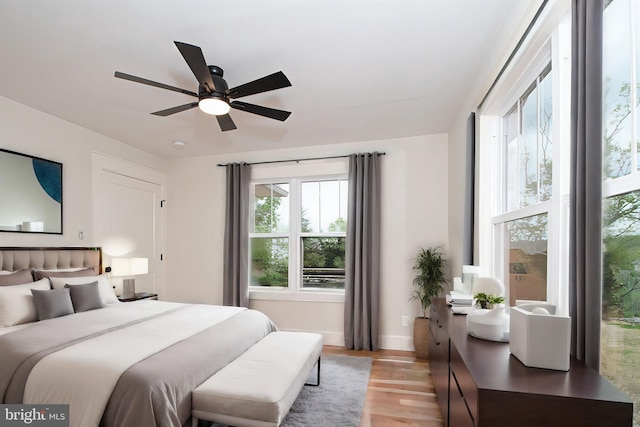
(400, 391)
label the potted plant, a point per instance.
(487, 301)
(430, 268)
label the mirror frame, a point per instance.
(60, 189)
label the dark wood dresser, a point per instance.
(480, 384)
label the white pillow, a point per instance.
(16, 303)
(104, 284)
(61, 270)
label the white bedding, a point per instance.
(8, 329)
(78, 376)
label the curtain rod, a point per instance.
(515, 50)
(295, 160)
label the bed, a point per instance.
(115, 364)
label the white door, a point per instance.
(128, 220)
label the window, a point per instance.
(620, 338)
(521, 225)
(529, 148)
(298, 234)
(323, 233)
(269, 231)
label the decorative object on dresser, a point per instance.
(489, 322)
(478, 383)
(487, 301)
(457, 298)
(469, 275)
(539, 337)
(430, 267)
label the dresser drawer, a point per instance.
(463, 381)
(459, 415)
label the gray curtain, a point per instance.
(469, 192)
(585, 254)
(362, 287)
(236, 236)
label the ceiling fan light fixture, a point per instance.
(214, 106)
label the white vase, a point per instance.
(492, 325)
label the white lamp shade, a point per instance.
(124, 267)
(120, 267)
(139, 266)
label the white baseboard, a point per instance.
(396, 342)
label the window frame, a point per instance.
(553, 51)
(295, 291)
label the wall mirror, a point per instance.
(30, 194)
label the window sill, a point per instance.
(307, 296)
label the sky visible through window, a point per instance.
(617, 69)
(323, 203)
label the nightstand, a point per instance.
(139, 296)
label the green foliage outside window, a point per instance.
(269, 262)
(621, 262)
(323, 264)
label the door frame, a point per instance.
(102, 163)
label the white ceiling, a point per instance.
(361, 69)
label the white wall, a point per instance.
(496, 57)
(414, 214)
(25, 130)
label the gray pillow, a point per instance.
(18, 278)
(52, 303)
(85, 297)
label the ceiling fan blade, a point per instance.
(136, 79)
(272, 113)
(271, 82)
(173, 110)
(195, 60)
(226, 123)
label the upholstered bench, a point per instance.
(258, 388)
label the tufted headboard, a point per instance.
(17, 258)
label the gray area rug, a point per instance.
(339, 398)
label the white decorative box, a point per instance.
(538, 337)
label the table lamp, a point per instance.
(128, 267)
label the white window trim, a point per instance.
(622, 185)
(303, 295)
(501, 217)
(295, 292)
(554, 49)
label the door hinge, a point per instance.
(161, 257)
(162, 202)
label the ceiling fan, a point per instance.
(214, 96)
